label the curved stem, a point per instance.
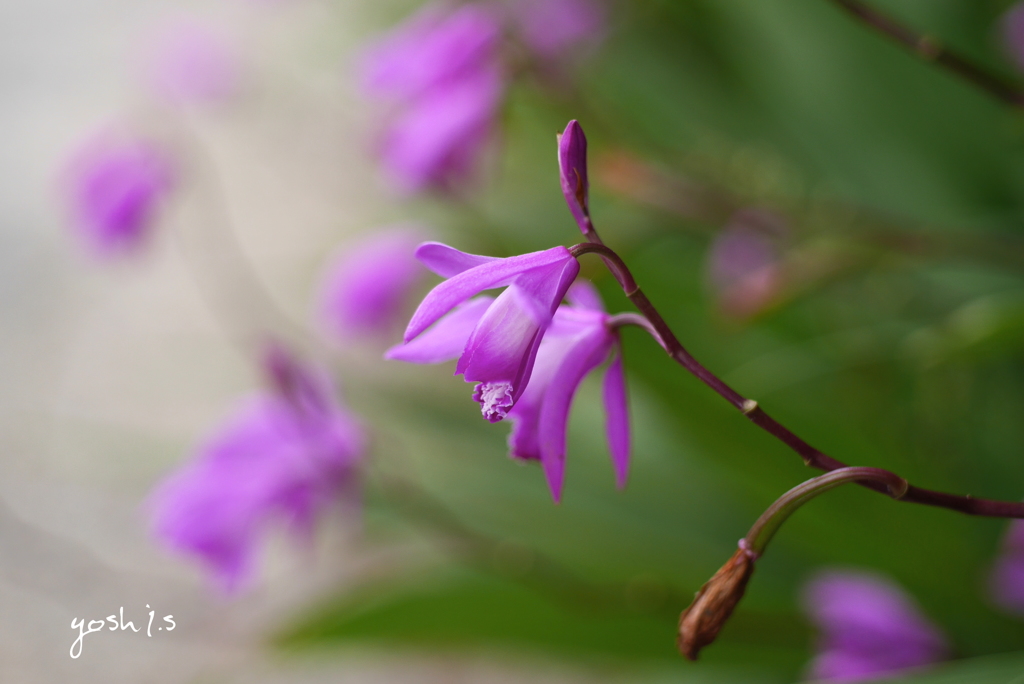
(623, 319)
(752, 410)
(771, 520)
(931, 50)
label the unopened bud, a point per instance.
(700, 623)
(572, 170)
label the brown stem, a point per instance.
(931, 50)
(750, 408)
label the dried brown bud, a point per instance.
(699, 624)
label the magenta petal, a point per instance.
(524, 440)
(447, 261)
(368, 285)
(585, 355)
(446, 340)
(583, 295)
(430, 48)
(115, 185)
(505, 332)
(464, 285)
(616, 407)
(443, 76)
(439, 137)
(572, 169)
(501, 351)
(283, 456)
(868, 626)
(504, 346)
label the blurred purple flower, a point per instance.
(442, 73)
(1012, 25)
(578, 341)
(284, 454)
(190, 62)
(869, 628)
(1006, 584)
(499, 340)
(551, 28)
(369, 283)
(114, 185)
(743, 263)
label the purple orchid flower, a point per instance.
(870, 628)
(355, 300)
(444, 76)
(1006, 583)
(285, 454)
(114, 186)
(501, 346)
(578, 341)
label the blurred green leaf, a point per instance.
(1003, 669)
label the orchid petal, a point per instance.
(501, 352)
(447, 261)
(495, 348)
(616, 407)
(486, 276)
(446, 340)
(439, 136)
(586, 355)
(523, 441)
(366, 287)
(583, 295)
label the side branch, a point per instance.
(931, 50)
(753, 411)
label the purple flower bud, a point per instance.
(369, 283)
(442, 74)
(282, 455)
(1006, 583)
(572, 170)
(499, 339)
(552, 28)
(114, 185)
(1012, 25)
(191, 62)
(869, 627)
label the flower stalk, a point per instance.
(931, 50)
(771, 520)
(712, 606)
(755, 413)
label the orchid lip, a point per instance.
(495, 399)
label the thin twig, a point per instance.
(931, 50)
(750, 408)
